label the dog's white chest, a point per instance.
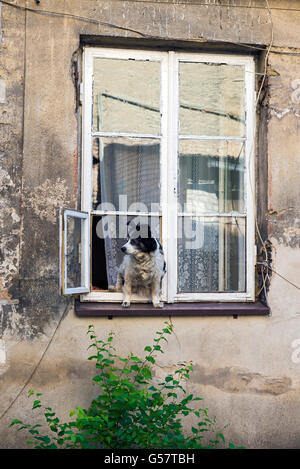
(144, 272)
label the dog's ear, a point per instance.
(133, 228)
(148, 245)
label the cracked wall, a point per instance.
(244, 367)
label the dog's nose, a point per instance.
(123, 249)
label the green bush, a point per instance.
(133, 409)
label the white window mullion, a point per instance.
(87, 159)
(124, 134)
(173, 117)
(211, 137)
(250, 175)
(164, 168)
(222, 264)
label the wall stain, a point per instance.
(284, 226)
(241, 380)
(46, 198)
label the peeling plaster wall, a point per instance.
(11, 136)
(284, 151)
(246, 369)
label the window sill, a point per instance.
(110, 310)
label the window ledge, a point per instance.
(97, 309)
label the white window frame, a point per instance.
(169, 162)
(84, 247)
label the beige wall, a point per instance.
(243, 367)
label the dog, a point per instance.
(143, 267)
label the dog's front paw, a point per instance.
(160, 304)
(126, 304)
(114, 288)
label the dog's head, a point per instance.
(139, 241)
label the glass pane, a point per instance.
(211, 99)
(126, 96)
(126, 174)
(73, 252)
(109, 234)
(211, 176)
(211, 254)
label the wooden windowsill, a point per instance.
(97, 309)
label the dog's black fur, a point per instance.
(143, 266)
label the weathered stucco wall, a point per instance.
(244, 368)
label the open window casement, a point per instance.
(74, 252)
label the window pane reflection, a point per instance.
(73, 254)
(211, 176)
(211, 99)
(126, 171)
(126, 96)
(211, 254)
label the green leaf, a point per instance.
(134, 368)
(150, 359)
(136, 359)
(148, 348)
(15, 422)
(146, 373)
(92, 357)
(97, 379)
(36, 404)
(152, 388)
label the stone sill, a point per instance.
(110, 310)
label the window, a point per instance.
(168, 139)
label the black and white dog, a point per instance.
(143, 266)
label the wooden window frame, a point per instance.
(169, 148)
